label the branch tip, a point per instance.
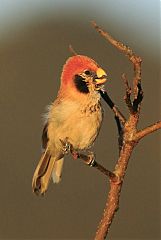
(148, 130)
(71, 49)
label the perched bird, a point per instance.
(73, 118)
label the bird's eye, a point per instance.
(87, 72)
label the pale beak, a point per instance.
(101, 76)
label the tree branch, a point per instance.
(114, 108)
(127, 97)
(119, 117)
(135, 60)
(130, 136)
(142, 133)
(89, 159)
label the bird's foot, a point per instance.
(91, 159)
(66, 146)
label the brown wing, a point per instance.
(45, 136)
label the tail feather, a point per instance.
(43, 172)
(57, 170)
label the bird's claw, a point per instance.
(91, 158)
(66, 146)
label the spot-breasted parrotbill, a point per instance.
(75, 116)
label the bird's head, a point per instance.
(83, 75)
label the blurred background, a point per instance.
(34, 45)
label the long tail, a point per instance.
(43, 172)
(57, 170)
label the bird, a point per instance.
(73, 119)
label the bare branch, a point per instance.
(115, 109)
(89, 159)
(130, 134)
(108, 173)
(136, 60)
(71, 49)
(119, 45)
(142, 133)
(119, 117)
(137, 101)
(112, 203)
(127, 97)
